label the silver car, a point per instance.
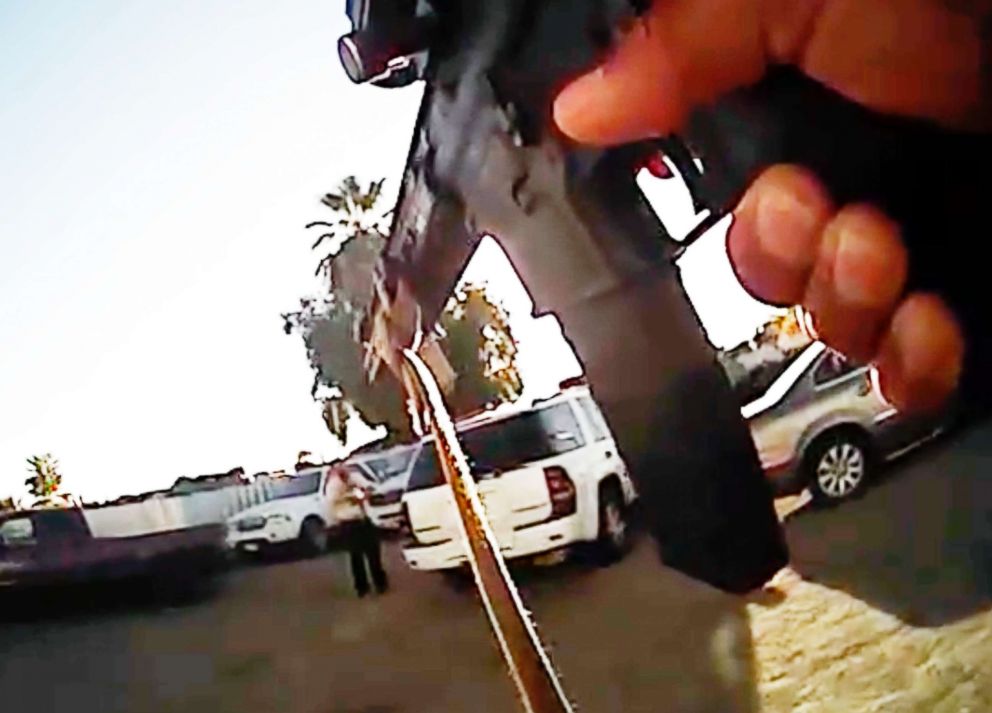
(823, 424)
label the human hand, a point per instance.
(789, 243)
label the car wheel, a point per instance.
(458, 579)
(614, 527)
(313, 537)
(838, 467)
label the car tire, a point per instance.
(838, 466)
(458, 579)
(613, 541)
(313, 537)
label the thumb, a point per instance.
(922, 58)
(679, 54)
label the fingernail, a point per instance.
(920, 359)
(857, 263)
(786, 228)
(913, 365)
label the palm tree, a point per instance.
(479, 344)
(45, 480)
(360, 223)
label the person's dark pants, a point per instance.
(362, 540)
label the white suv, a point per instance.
(298, 512)
(549, 476)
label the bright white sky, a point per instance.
(159, 163)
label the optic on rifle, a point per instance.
(386, 38)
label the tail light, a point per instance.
(867, 384)
(561, 490)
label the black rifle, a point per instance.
(487, 159)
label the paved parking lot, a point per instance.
(886, 607)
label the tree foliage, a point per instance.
(479, 345)
(753, 365)
(477, 338)
(45, 481)
(354, 239)
(327, 327)
(784, 331)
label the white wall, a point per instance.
(176, 512)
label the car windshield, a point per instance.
(506, 444)
(754, 382)
(302, 484)
(385, 467)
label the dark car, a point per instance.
(55, 547)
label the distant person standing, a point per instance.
(357, 531)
